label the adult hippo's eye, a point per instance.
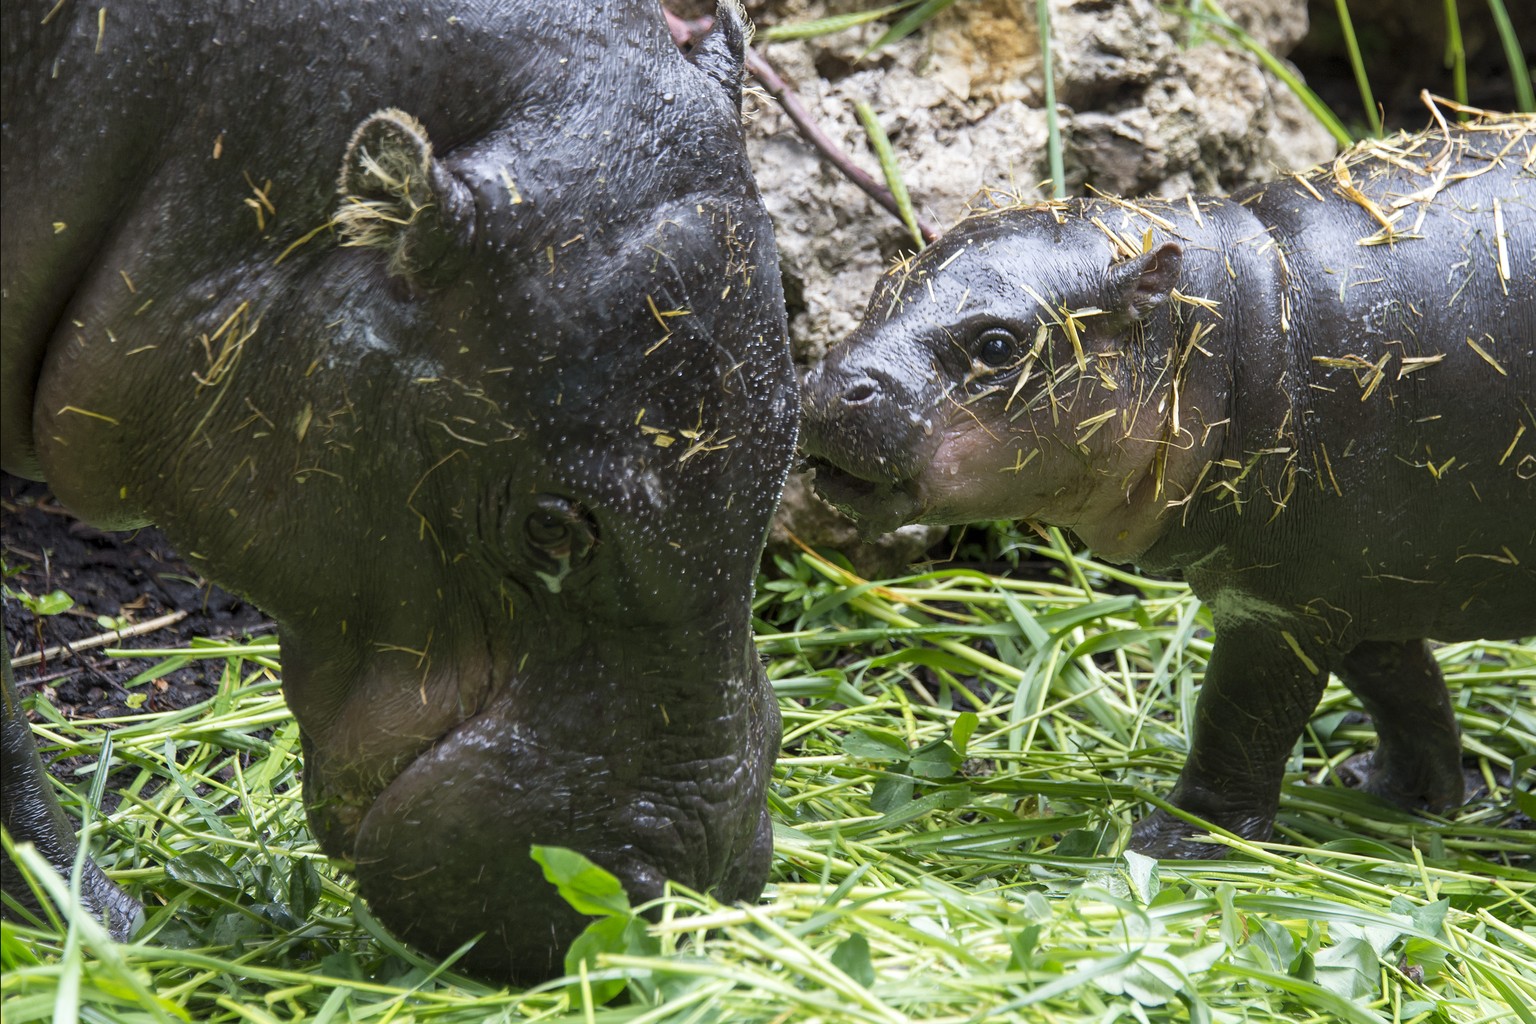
(995, 346)
(560, 530)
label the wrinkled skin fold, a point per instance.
(1323, 423)
(460, 353)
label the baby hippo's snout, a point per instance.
(864, 422)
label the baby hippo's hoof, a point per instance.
(1165, 837)
(1424, 790)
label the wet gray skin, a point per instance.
(1327, 428)
(451, 335)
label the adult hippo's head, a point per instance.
(494, 433)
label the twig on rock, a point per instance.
(686, 32)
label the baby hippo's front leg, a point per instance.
(1255, 702)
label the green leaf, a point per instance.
(934, 760)
(1429, 918)
(852, 958)
(874, 746)
(205, 872)
(1022, 943)
(1272, 945)
(1141, 872)
(616, 934)
(890, 792)
(964, 728)
(1083, 842)
(51, 603)
(588, 888)
(945, 798)
(303, 888)
(1524, 798)
(1349, 969)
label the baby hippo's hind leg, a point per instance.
(1417, 761)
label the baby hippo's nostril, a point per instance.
(860, 393)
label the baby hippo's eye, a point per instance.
(996, 346)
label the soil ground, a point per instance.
(131, 577)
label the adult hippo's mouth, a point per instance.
(440, 848)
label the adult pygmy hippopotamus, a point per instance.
(450, 334)
(1315, 398)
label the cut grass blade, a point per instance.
(829, 26)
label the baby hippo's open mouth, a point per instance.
(878, 506)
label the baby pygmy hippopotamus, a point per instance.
(1315, 399)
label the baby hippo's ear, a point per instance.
(1140, 285)
(398, 198)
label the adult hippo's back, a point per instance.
(451, 334)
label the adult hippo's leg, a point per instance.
(33, 815)
(1257, 696)
(1417, 762)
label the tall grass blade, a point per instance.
(1214, 17)
(1362, 82)
(1519, 71)
(1052, 116)
(828, 26)
(1455, 53)
(881, 144)
(911, 23)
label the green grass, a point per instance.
(963, 755)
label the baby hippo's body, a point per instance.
(1315, 399)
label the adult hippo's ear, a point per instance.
(1140, 285)
(723, 53)
(398, 198)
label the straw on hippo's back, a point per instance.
(1315, 398)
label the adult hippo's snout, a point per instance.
(492, 422)
(441, 850)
